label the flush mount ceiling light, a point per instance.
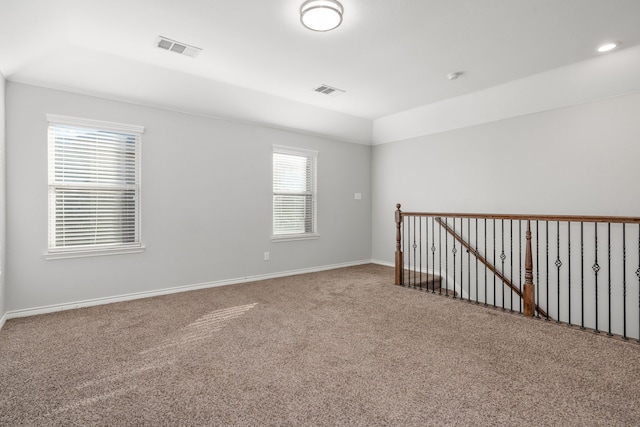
(607, 47)
(321, 15)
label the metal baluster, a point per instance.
(638, 274)
(485, 264)
(511, 264)
(476, 254)
(494, 261)
(420, 257)
(596, 269)
(426, 258)
(538, 268)
(454, 251)
(433, 252)
(414, 252)
(569, 266)
(461, 258)
(404, 246)
(581, 275)
(446, 262)
(469, 262)
(502, 257)
(624, 281)
(558, 265)
(440, 257)
(609, 278)
(520, 264)
(546, 227)
(409, 253)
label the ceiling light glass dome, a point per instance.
(321, 15)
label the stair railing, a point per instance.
(580, 270)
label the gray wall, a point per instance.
(579, 160)
(206, 203)
(2, 200)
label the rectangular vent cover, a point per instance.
(177, 47)
(328, 90)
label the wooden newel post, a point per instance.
(399, 275)
(528, 288)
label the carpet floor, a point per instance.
(340, 347)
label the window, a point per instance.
(294, 194)
(94, 187)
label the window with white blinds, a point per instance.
(294, 193)
(94, 186)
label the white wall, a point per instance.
(2, 200)
(576, 160)
(206, 203)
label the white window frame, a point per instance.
(59, 252)
(312, 156)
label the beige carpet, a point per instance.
(342, 347)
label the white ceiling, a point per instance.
(260, 64)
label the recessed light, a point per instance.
(607, 47)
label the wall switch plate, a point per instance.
(357, 196)
(266, 256)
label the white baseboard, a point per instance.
(3, 319)
(385, 263)
(147, 294)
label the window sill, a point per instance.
(91, 253)
(293, 237)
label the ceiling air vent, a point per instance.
(177, 47)
(328, 90)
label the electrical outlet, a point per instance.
(266, 256)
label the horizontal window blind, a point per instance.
(94, 187)
(294, 192)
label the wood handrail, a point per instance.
(528, 291)
(480, 258)
(523, 217)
